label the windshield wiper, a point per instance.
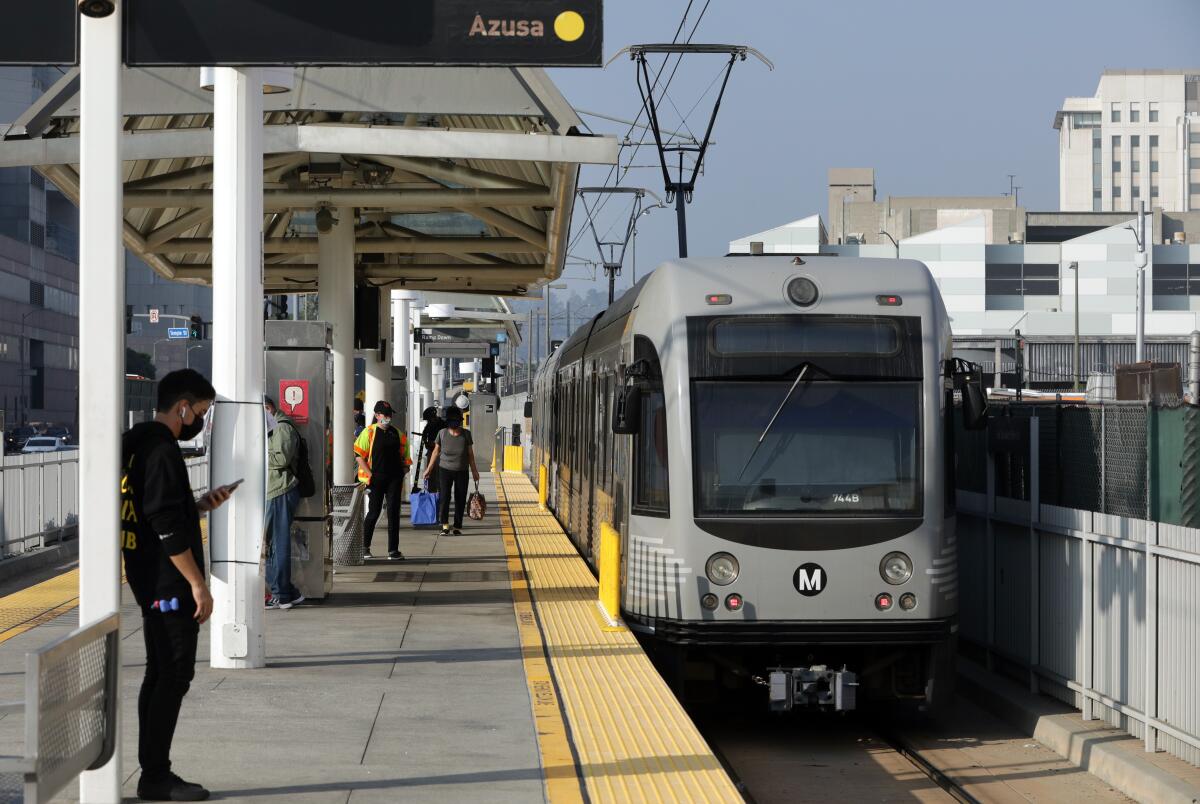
(770, 424)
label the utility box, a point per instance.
(299, 377)
(482, 422)
(1148, 381)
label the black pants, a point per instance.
(392, 488)
(457, 480)
(170, 665)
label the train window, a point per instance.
(833, 449)
(803, 334)
(650, 477)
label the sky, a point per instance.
(939, 97)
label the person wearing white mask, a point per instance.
(381, 451)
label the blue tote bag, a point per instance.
(423, 506)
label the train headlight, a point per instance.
(722, 569)
(802, 292)
(896, 568)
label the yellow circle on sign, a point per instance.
(568, 26)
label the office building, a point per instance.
(858, 217)
(39, 275)
(1136, 139)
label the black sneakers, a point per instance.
(170, 788)
(395, 555)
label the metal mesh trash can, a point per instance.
(348, 504)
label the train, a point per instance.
(772, 439)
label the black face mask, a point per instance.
(189, 431)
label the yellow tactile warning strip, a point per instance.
(559, 765)
(30, 607)
(633, 740)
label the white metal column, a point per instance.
(239, 438)
(378, 374)
(101, 345)
(402, 344)
(335, 289)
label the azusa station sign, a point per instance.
(182, 33)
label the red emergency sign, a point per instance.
(293, 399)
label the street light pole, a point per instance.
(1140, 260)
(1074, 266)
(187, 357)
(894, 243)
(154, 350)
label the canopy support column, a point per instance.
(335, 303)
(238, 447)
(101, 348)
(402, 344)
(378, 377)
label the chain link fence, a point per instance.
(1093, 458)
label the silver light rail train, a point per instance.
(769, 437)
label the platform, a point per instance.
(477, 669)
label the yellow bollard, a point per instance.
(541, 488)
(610, 570)
(513, 459)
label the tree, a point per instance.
(139, 363)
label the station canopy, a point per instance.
(463, 178)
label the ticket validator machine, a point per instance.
(299, 377)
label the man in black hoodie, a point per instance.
(164, 564)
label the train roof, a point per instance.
(764, 275)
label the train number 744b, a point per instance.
(845, 498)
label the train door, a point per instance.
(590, 459)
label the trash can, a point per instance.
(348, 512)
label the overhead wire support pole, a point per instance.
(680, 190)
(612, 261)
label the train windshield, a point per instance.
(828, 449)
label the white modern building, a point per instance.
(996, 289)
(1137, 138)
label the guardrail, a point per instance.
(1096, 609)
(70, 710)
(39, 498)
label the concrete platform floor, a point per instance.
(406, 684)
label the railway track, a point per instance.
(814, 756)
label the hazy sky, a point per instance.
(939, 96)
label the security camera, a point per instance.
(97, 8)
(325, 220)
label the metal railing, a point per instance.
(39, 498)
(1096, 608)
(70, 710)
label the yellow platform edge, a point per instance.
(632, 739)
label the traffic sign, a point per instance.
(153, 315)
(178, 333)
(463, 349)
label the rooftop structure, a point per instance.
(1136, 139)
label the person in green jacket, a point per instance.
(283, 496)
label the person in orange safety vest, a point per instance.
(381, 451)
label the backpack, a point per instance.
(301, 467)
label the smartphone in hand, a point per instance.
(229, 487)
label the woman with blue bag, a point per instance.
(453, 453)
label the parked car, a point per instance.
(14, 439)
(58, 431)
(43, 444)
